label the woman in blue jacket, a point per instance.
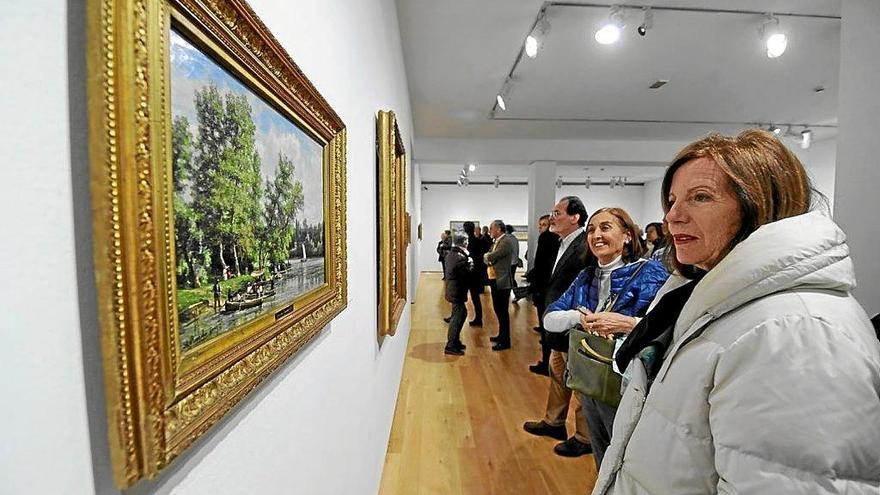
(608, 299)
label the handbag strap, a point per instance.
(609, 305)
(593, 353)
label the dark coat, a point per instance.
(459, 275)
(573, 260)
(542, 267)
(477, 248)
(443, 248)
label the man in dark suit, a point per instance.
(498, 258)
(475, 286)
(538, 277)
(443, 248)
(567, 219)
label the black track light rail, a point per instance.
(652, 121)
(542, 11)
(686, 9)
(523, 183)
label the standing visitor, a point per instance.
(498, 259)
(762, 373)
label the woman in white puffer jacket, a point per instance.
(756, 371)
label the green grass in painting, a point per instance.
(188, 297)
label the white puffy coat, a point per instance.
(771, 384)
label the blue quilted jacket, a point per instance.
(584, 291)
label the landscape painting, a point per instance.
(521, 232)
(457, 226)
(248, 201)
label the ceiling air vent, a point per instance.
(658, 83)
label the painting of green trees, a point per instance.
(248, 200)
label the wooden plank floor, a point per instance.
(458, 422)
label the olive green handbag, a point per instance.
(590, 357)
(589, 367)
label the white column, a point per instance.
(857, 177)
(542, 197)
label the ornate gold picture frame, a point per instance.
(204, 286)
(393, 222)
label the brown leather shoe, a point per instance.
(542, 429)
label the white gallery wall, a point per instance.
(318, 425)
(442, 203)
(819, 161)
(858, 173)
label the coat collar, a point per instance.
(577, 243)
(807, 251)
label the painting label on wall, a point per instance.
(248, 201)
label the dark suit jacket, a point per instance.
(571, 263)
(568, 268)
(477, 248)
(541, 268)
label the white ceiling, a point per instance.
(459, 52)
(568, 171)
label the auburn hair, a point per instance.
(768, 180)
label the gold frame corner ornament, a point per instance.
(393, 222)
(157, 407)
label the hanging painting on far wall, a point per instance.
(219, 213)
(393, 222)
(457, 226)
(521, 232)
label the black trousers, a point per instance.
(541, 306)
(475, 299)
(453, 332)
(501, 305)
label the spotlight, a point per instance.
(806, 138)
(588, 182)
(535, 39)
(497, 182)
(774, 40)
(472, 167)
(559, 183)
(775, 129)
(610, 31)
(458, 182)
(647, 22)
(608, 34)
(502, 99)
(531, 46)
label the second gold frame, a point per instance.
(393, 222)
